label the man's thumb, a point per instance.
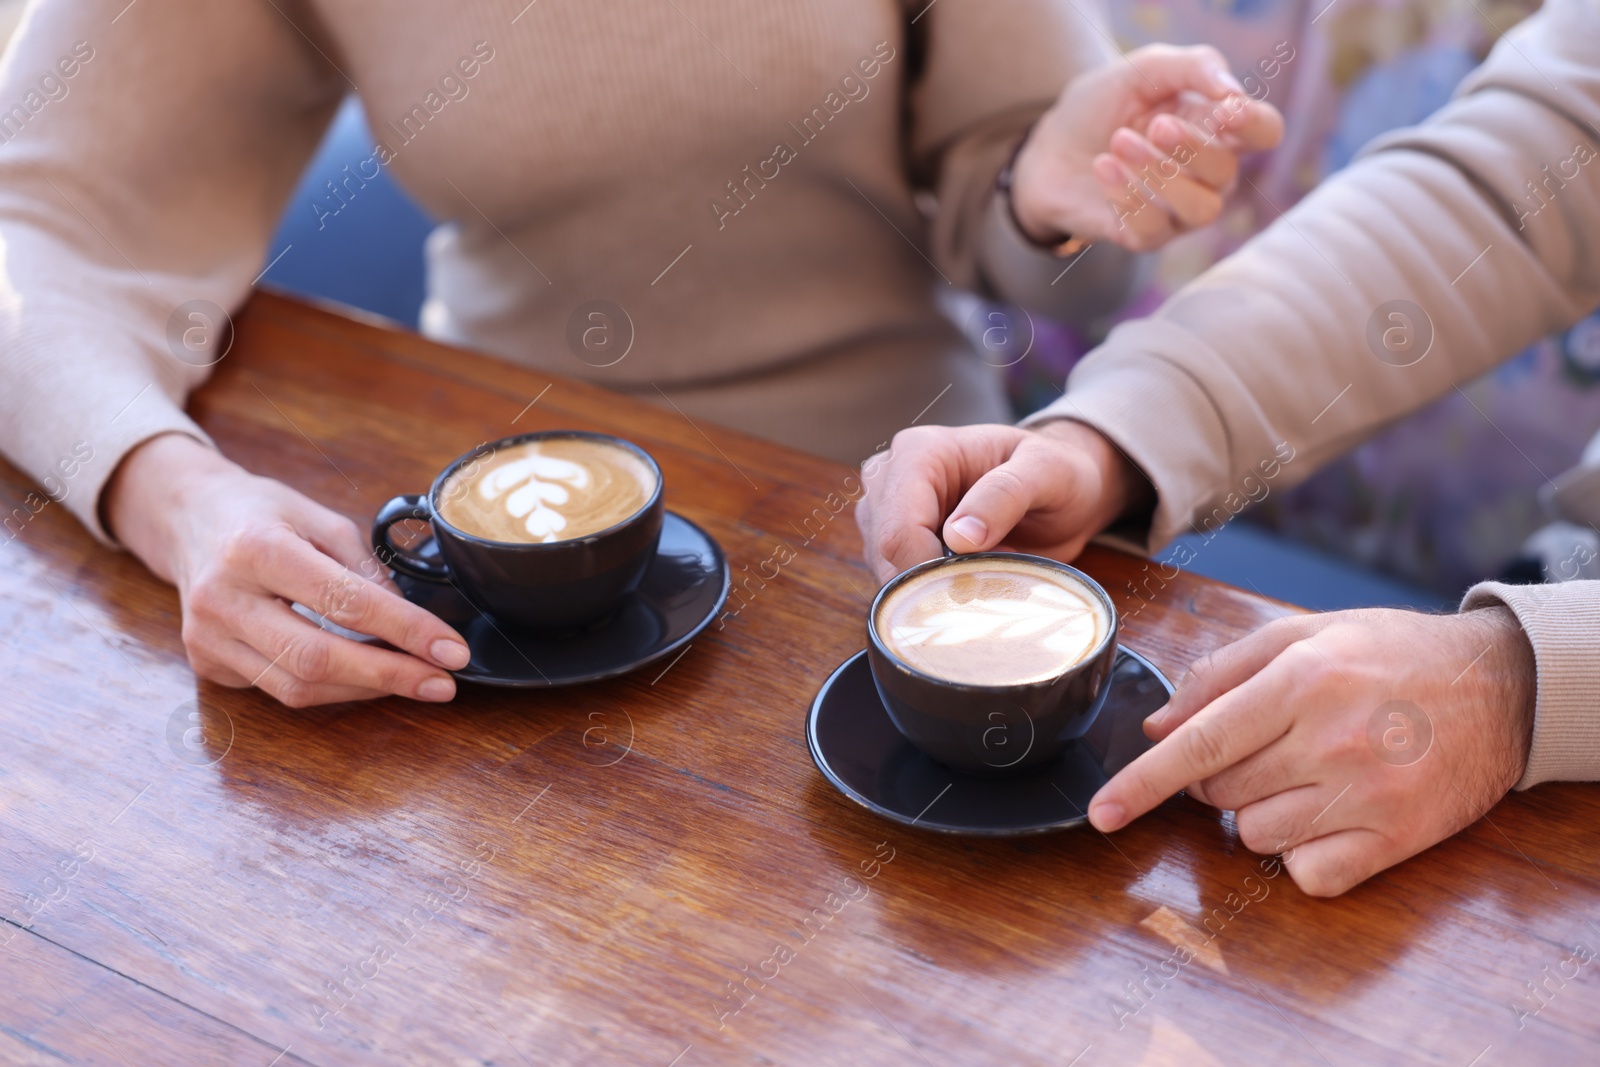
(995, 503)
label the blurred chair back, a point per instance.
(350, 238)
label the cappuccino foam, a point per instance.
(551, 489)
(993, 622)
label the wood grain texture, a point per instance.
(592, 875)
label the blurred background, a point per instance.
(1381, 526)
(10, 15)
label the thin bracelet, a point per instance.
(1061, 247)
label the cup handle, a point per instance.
(410, 506)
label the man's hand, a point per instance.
(1046, 490)
(1347, 741)
(240, 549)
(1140, 150)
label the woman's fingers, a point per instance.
(210, 662)
(231, 662)
(344, 541)
(1206, 160)
(311, 665)
(1255, 128)
(292, 691)
(1167, 178)
(1159, 71)
(1196, 84)
(245, 547)
(242, 632)
(1239, 122)
(1139, 223)
(1180, 164)
(1191, 204)
(288, 566)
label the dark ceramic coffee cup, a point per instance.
(557, 585)
(993, 730)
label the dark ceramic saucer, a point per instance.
(679, 596)
(859, 750)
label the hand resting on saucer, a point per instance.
(240, 549)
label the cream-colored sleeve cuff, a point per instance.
(82, 382)
(1562, 621)
(87, 506)
(1161, 419)
(68, 422)
(104, 452)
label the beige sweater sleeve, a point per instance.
(990, 68)
(144, 157)
(1562, 621)
(1280, 351)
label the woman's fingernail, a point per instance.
(972, 529)
(437, 690)
(1133, 148)
(1156, 718)
(450, 654)
(1106, 817)
(1225, 81)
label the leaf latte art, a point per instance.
(547, 490)
(1060, 621)
(992, 622)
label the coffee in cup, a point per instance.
(993, 622)
(992, 663)
(550, 530)
(546, 490)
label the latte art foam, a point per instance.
(547, 490)
(992, 622)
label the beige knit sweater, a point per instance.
(737, 177)
(1485, 222)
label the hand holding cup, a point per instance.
(977, 488)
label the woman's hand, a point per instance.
(1348, 741)
(1045, 490)
(1140, 150)
(240, 549)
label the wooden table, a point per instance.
(585, 875)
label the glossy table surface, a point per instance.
(602, 874)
